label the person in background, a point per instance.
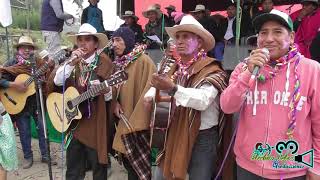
(166, 17)
(229, 25)
(155, 26)
(51, 25)
(200, 13)
(314, 47)
(131, 21)
(170, 9)
(93, 15)
(266, 7)
(306, 24)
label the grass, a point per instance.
(13, 39)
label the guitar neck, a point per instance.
(37, 73)
(92, 92)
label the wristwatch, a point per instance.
(173, 91)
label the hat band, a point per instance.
(86, 32)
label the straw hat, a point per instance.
(26, 41)
(43, 54)
(199, 8)
(190, 24)
(151, 8)
(87, 29)
(129, 14)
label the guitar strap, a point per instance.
(67, 140)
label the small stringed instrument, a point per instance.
(62, 113)
(15, 101)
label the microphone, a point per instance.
(257, 68)
(71, 59)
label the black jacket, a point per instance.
(314, 48)
(246, 28)
(210, 25)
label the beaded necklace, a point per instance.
(293, 56)
(182, 74)
(21, 60)
(123, 61)
(86, 70)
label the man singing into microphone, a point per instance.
(280, 107)
(88, 140)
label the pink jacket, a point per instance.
(271, 121)
(307, 31)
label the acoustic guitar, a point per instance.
(160, 110)
(63, 108)
(15, 101)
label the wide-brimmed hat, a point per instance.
(190, 24)
(86, 30)
(273, 15)
(129, 14)
(25, 41)
(150, 9)
(199, 8)
(171, 7)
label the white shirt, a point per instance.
(61, 76)
(204, 99)
(229, 32)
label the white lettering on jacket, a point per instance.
(279, 98)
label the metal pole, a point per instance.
(8, 50)
(238, 20)
(41, 110)
(120, 8)
(28, 16)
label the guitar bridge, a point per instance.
(10, 98)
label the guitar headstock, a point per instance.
(165, 65)
(60, 56)
(118, 77)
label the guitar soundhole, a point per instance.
(70, 105)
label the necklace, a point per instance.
(182, 74)
(122, 62)
(86, 70)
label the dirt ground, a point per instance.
(39, 171)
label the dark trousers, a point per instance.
(78, 155)
(132, 175)
(24, 127)
(204, 156)
(243, 174)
